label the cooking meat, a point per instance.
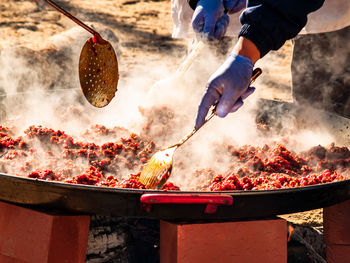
(53, 155)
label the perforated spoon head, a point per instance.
(98, 71)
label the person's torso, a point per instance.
(332, 16)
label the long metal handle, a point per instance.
(256, 73)
(76, 20)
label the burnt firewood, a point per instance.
(122, 240)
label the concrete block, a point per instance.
(336, 223)
(31, 236)
(257, 241)
(338, 254)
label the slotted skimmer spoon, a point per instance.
(98, 66)
(158, 169)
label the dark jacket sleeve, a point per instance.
(269, 23)
(193, 3)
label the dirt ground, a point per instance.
(142, 27)
(143, 30)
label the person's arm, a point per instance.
(210, 19)
(228, 86)
(269, 23)
(266, 25)
(232, 6)
(246, 48)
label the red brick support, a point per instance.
(336, 223)
(261, 241)
(30, 236)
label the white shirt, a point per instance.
(333, 15)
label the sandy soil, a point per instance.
(142, 27)
(143, 30)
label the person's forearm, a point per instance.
(269, 23)
(246, 48)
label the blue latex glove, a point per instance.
(209, 19)
(233, 6)
(228, 86)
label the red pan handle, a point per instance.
(211, 200)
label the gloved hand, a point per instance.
(233, 6)
(209, 19)
(228, 86)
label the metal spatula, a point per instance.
(158, 169)
(98, 66)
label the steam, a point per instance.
(41, 87)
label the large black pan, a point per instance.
(235, 205)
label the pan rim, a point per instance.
(148, 191)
